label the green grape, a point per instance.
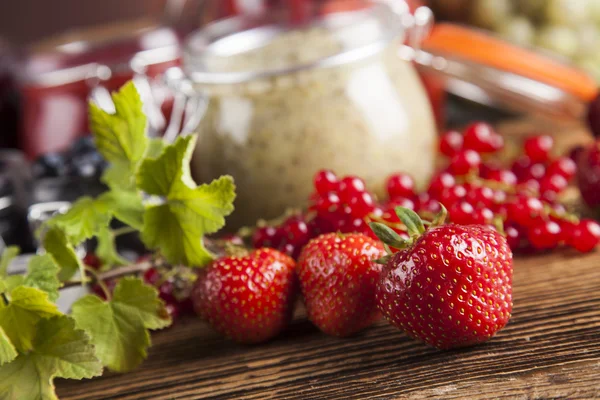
(491, 14)
(519, 31)
(567, 12)
(558, 39)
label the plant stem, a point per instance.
(123, 231)
(115, 273)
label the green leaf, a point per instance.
(388, 236)
(121, 137)
(85, 217)
(411, 219)
(107, 250)
(126, 206)
(19, 318)
(189, 211)
(43, 274)
(8, 255)
(155, 148)
(60, 351)
(7, 350)
(56, 243)
(119, 328)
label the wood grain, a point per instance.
(550, 350)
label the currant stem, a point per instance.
(115, 273)
(100, 283)
(123, 231)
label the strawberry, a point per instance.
(450, 286)
(337, 276)
(249, 298)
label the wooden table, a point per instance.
(549, 350)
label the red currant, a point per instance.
(553, 183)
(152, 276)
(325, 181)
(563, 166)
(481, 195)
(401, 202)
(538, 148)
(328, 203)
(483, 216)
(362, 204)
(525, 210)
(267, 236)
(351, 186)
(464, 162)
(462, 213)
(482, 138)
(535, 171)
(401, 185)
(545, 235)
(172, 310)
(514, 235)
(165, 291)
(521, 167)
(92, 260)
(504, 176)
(452, 195)
(451, 143)
(439, 183)
(586, 236)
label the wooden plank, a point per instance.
(550, 349)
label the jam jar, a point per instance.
(282, 102)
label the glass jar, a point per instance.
(283, 103)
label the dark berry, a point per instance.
(538, 148)
(575, 153)
(92, 260)
(51, 165)
(172, 310)
(401, 185)
(451, 143)
(165, 291)
(588, 175)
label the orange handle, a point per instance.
(482, 48)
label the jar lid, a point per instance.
(248, 47)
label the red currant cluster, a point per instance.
(522, 199)
(336, 206)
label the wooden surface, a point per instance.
(549, 350)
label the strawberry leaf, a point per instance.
(59, 351)
(121, 137)
(7, 350)
(411, 220)
(188, 211)
(119, 328)
(56, 243)
(19, 318)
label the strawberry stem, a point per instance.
(414, 223)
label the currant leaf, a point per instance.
(85, 217)
(59, 351)
(7, 350)
(42, 274)
(119, 328)
(188, 212)
(8, 255)
(126, 206)
(19, 318)
(107, 250)
(121, 137)
(155, 148)
(56, 243)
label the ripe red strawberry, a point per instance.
(248, 298)
(338, 276)
(451, 286)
